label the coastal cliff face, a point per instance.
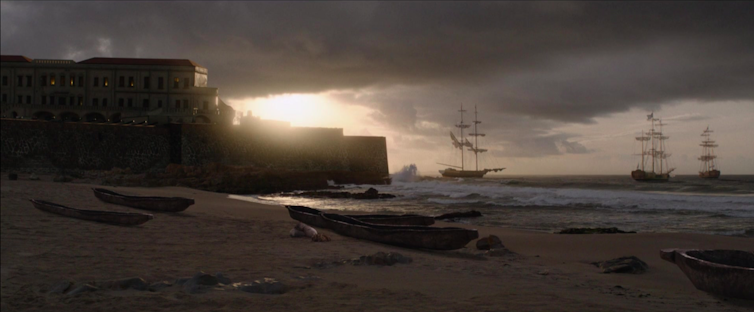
(30, 145)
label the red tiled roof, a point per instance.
(139, 61)
(15, 58)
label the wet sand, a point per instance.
(249, 241)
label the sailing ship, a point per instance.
(708, 169)
(653, 150)
(453, 172)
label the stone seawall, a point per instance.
(28, 144)
(88, 146)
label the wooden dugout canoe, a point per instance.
(111, 217)
(424, 237)
(312, 217)
(723, 272)
(153, 203)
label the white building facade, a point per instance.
(116, 90)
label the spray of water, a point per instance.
(409, 173)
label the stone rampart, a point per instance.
(88, 146)
(93, 146)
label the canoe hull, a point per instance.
(404, 236)
(111, 217)
(312, 217)
(162, 204)
(723, 272)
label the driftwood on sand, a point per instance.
(301, 230)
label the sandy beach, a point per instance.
(249, 241)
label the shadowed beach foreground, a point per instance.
(248, 241)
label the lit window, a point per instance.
(130, 82)
(176, 81)
(72, 80)
(52, 80)
(105, 82)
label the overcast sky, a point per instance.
(562, 87)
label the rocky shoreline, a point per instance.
(214, 178)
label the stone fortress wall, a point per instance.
(102, 146)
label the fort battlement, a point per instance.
(31, 144)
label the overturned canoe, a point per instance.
(112, 217)
(312, 217)
(447, 238)
(723, 272)
(163, 204)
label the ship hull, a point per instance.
(452, 173)
(712, 174)
(643, 176)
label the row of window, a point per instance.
(122, 102)
(71, 81)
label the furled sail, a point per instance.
(456, 143)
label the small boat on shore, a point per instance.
(111, 217)
(313, 217)
(162, 204)
(424, 237)
(723, 272)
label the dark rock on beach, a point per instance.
(265, 286)
(382, 258)
(490, 242)
(631, 265)
(222, 279)
(82, 289)
(611, 230)
(458, 215)
(59, 287)
(159, 286)
(200, 282)
(137, 283)
(371, 193)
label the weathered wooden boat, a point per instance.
(112, 217)
(424, 237)
(163, 204)
(312, 217)
(723, 272)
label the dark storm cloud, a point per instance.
(542, 61)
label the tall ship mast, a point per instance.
(453, 172)
(708, 168)
(654, 165)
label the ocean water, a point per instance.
(685, 204)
